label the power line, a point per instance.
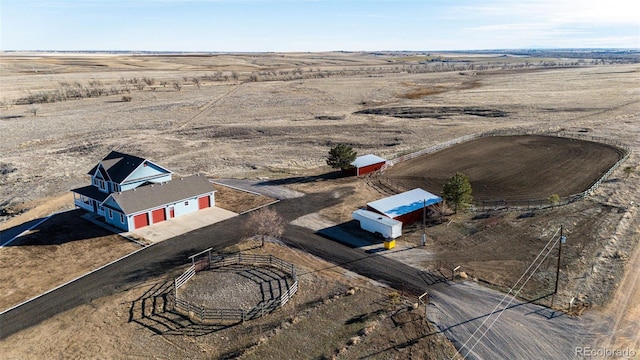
(513, 297)
(508, 293)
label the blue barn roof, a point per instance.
(404, 203)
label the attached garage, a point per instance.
(140, 220)
(158, 215)
(155, 203)
(204, 202)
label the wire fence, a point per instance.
(524, 204)
(208, 315)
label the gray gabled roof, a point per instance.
(157, 195)
(119, 165)
(366, 160)
(91, 192)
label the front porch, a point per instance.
(89, 198)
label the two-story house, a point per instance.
(132, 192)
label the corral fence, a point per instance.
(207, 315)
(525, 204)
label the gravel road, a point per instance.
(261, 187)
(522, 331)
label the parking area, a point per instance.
(181, 224)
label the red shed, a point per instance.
(366, 164)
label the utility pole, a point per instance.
(424, 222)
(562, 240)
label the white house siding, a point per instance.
(180, 208)
(82, 202)
(185, 207)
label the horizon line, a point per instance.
(628, 49)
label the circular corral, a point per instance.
(236, 286)
(511, 168)
(233, 288)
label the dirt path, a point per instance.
(624, 310)
(204, 108)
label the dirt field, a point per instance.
(273, 129)
(61, 249)
(239, 201)
(511, 167)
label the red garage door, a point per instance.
(203, 202)
(158, 215)
(141, 220)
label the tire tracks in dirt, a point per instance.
(625, 306)
(204, 109)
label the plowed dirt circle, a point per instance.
(511, 168)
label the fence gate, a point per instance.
(202, 260)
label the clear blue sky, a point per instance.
(316, 25)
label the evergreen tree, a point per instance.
(341, 156)
(458, 191)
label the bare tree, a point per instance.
(149, 81)
(177, 85)
(196, 82)
(628, 171)
(234, 75)
(554, 199)
(265, 222)
(34, 111)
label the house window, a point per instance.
(122, 218)
(101, 184)
(110, 214)
(186, 203)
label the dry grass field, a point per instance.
(283, 124)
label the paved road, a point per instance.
(523, 331)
